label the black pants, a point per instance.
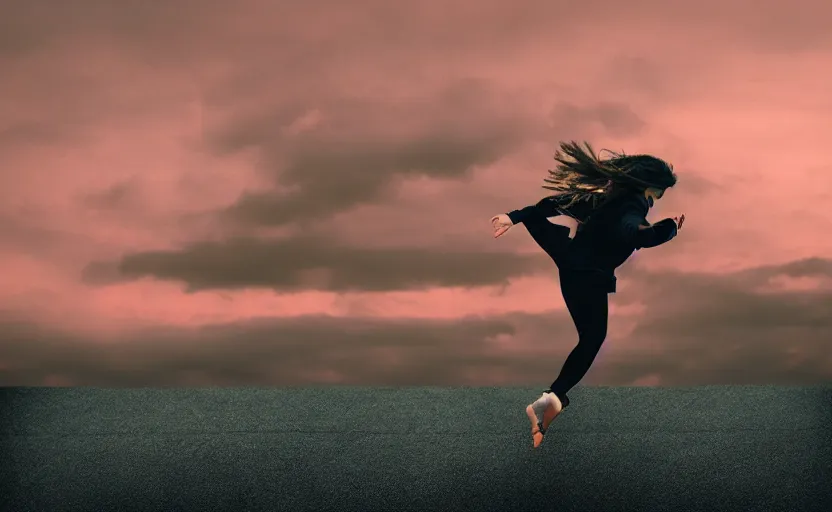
(586, 296)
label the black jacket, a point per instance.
(610, 234)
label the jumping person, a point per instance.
(594, 222)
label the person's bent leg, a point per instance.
(552, 238)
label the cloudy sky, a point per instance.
(287, 192)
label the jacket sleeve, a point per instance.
(635, 229)
(544, 209)
(523, 214)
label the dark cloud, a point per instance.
(116, 196)
(37, 134)
(707, 329)
(741, 281)
(31, 25)
(308, 263)
(808, 267)
(298, 53)
(360, 146)
(269, 351)
(31, 235)
(698, 329)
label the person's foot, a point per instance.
(541, 413)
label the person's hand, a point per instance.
(679, 221)
(501, 223)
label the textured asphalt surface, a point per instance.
(367, 449)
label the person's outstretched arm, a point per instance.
(635, 229)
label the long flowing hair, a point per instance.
(581, 175)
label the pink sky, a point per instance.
(260, 167)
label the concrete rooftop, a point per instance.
(367, 449)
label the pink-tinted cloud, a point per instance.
(388, 134)
(690, 328)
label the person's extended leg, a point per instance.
(586, 299)
(588, 304)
